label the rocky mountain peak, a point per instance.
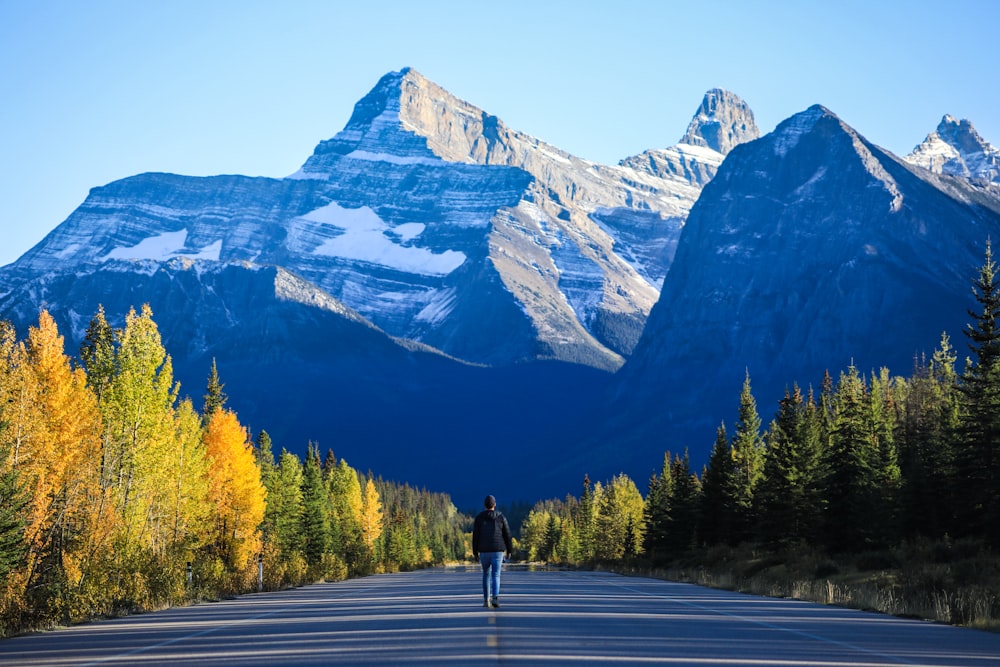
(956, 148)
(961, 134)
(723, 121)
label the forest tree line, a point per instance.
(862, 463)
(113, 487)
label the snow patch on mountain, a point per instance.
(580, 279)
(364, 236)
(163, 247)
(369, 156)
(439, 306)
(957, 149)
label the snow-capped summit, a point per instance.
(957, 149)
(811, 249)
(428, 216)
(722, 122)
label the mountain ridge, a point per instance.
(431, 281)
(781, 276)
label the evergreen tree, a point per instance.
(265, 452)
(946, 419)
(979, 453)
(719, 513)
(553, 531)
(685, 503)
(787, 498)
(215, 398)
(316, 538)
(849, 482)
(658, 511)
(401, 545)
(97, 352)
(13, 503)
(748, 459)
(585, 518)
(882, 410)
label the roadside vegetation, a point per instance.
(117, 496)
(879, 492)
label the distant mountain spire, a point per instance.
(957, 149)
(722, 122)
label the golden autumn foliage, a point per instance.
(52, 435)
(112, 487)
(63, 459)
(235, 490)
(371, 516)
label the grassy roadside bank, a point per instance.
(947, 582)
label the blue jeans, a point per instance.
(491, 561)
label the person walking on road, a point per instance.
(490, 540)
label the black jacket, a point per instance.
(490, 533)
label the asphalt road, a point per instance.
(435, 617)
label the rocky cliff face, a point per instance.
(428, 217)
(811, 249)
(722, 122)
(415, 288)
(384, 299)
(306, 368)
(956, 149)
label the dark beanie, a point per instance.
(490, 502)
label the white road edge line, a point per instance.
(773, 626)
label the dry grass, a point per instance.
(954, 583)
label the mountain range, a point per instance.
(449, 302)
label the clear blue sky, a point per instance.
(94, 91)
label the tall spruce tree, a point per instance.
(883, 410)
(215, 398)
(97, 352)
(657, 511)
(585, 517)
(685, 504)
(316, 510)
(720, 497)
(285, 510)
(13, 503)
(748, 459)
(929, 415)
(979, 452)
(849, 469)
(787, 490)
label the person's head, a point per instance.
(490, 502)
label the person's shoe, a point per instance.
(486, 603)
(496, 603)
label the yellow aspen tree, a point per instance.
(17, 394)
(235, 490)
(371, 516)
(63, 459)
(347, 502)
(620, 526)
(138, 410)
(189, 508)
